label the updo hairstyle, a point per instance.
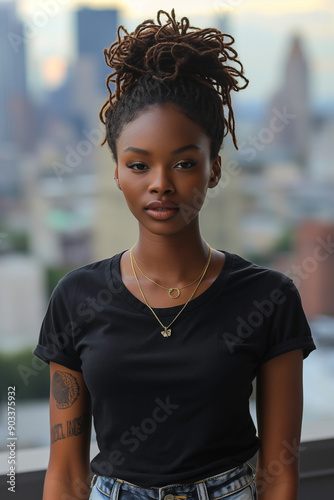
(195, 69)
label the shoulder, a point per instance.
(270, 311)
(87, 279)
(253, 282)
(247, 274)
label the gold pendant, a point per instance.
(170, 291)
(167, 332)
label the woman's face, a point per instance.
(164, 168)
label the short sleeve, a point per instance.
(56, 338)
(289, 329)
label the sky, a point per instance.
(262, 29)
(135, 7)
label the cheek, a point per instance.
(129, 196)
(196, 191)
(132, 197)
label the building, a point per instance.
(96, 31)
(12, 75)
(22, 301)
(289, 115)
(313, 268)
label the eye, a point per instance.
(184, 165)
(137, 166)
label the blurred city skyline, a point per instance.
(262, 29)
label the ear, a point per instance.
(116, 178)
(216, 172)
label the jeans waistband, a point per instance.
(226, 482)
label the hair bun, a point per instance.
(171, 50)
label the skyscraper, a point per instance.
(12, 74)
(297, 96)
(293, 100)
(96, 31)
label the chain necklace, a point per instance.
(169, 290)
(166, 332)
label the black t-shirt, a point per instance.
(172, 409)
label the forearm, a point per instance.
(282, 491)
(58, 488)
(279, 404)
(274, 483)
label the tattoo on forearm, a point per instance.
(65, 389)
(71, 428)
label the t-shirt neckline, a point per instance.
(172, 310)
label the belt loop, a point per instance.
(202, 491)
(115, 490)
(253, 468)
(93, 481)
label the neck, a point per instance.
(171, 259)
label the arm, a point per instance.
(68, 473)
(279, 406)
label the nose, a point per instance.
(160, 181)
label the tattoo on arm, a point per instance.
(65, 389)
(71, 428)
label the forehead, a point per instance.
(162, 126)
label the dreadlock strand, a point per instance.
(172, 60)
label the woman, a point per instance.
(161, 343)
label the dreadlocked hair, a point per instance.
(172, 63)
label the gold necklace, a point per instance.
(166, 329)
(170, 290)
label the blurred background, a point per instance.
(59, 208)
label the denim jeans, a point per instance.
(234, 484)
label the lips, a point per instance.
(161, 210)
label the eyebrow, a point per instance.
(175, 152)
